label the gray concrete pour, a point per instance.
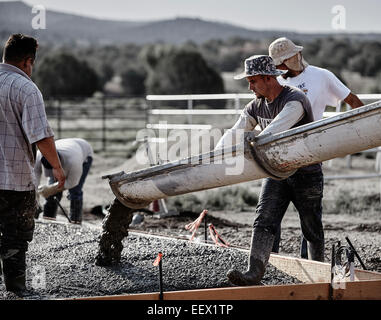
(61, 265)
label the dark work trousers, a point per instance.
(305, 191)
(76, 192)
(17, 210)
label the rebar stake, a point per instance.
(356, 254)
(333, 257)
(62, 209)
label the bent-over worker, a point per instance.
(76, 157)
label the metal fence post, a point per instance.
(190, 107)
(104, 139)
(59, 117)
(237, 106)
(147, 113)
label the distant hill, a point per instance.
(16, 16)
(63, 28)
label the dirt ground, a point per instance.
(351, 208)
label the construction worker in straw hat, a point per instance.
(320, 85)
(276, 108)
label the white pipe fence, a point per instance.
(237, 97)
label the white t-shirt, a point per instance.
(321, 86)
(73, 153)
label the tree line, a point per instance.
(184, 69)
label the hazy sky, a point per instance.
(294, 15)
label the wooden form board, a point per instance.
(299, 292)
(316, 286)
(309, 271)
(357, 290)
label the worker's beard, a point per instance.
(295, 63)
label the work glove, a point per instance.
(48, 190)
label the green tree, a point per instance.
(133, 81)
(105, 74)
(368, 61)
(182, 72)
(64, 75)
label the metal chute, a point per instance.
(277, 156)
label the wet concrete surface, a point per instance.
(61, 265)
(61, 257)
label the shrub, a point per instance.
(64, 75)
(177, 71)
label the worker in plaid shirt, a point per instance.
(23, 126)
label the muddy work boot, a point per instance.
(50, 208)
(115, 229)
(261, 243)
(76, 211)
(251, 277)
(13, 266)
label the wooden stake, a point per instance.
(156, 263)
(160, 280)
(205, 231)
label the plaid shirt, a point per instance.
(22, 123)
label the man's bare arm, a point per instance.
(49, 151)
(353, 101)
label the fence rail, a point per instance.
(111, 123)
(108, 123)
(237, 97)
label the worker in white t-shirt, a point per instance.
(320, 85)
(76, 157)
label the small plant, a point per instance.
(236, 199)
(347, 203)
(343, 201)
(131, 150)
(187, 202)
